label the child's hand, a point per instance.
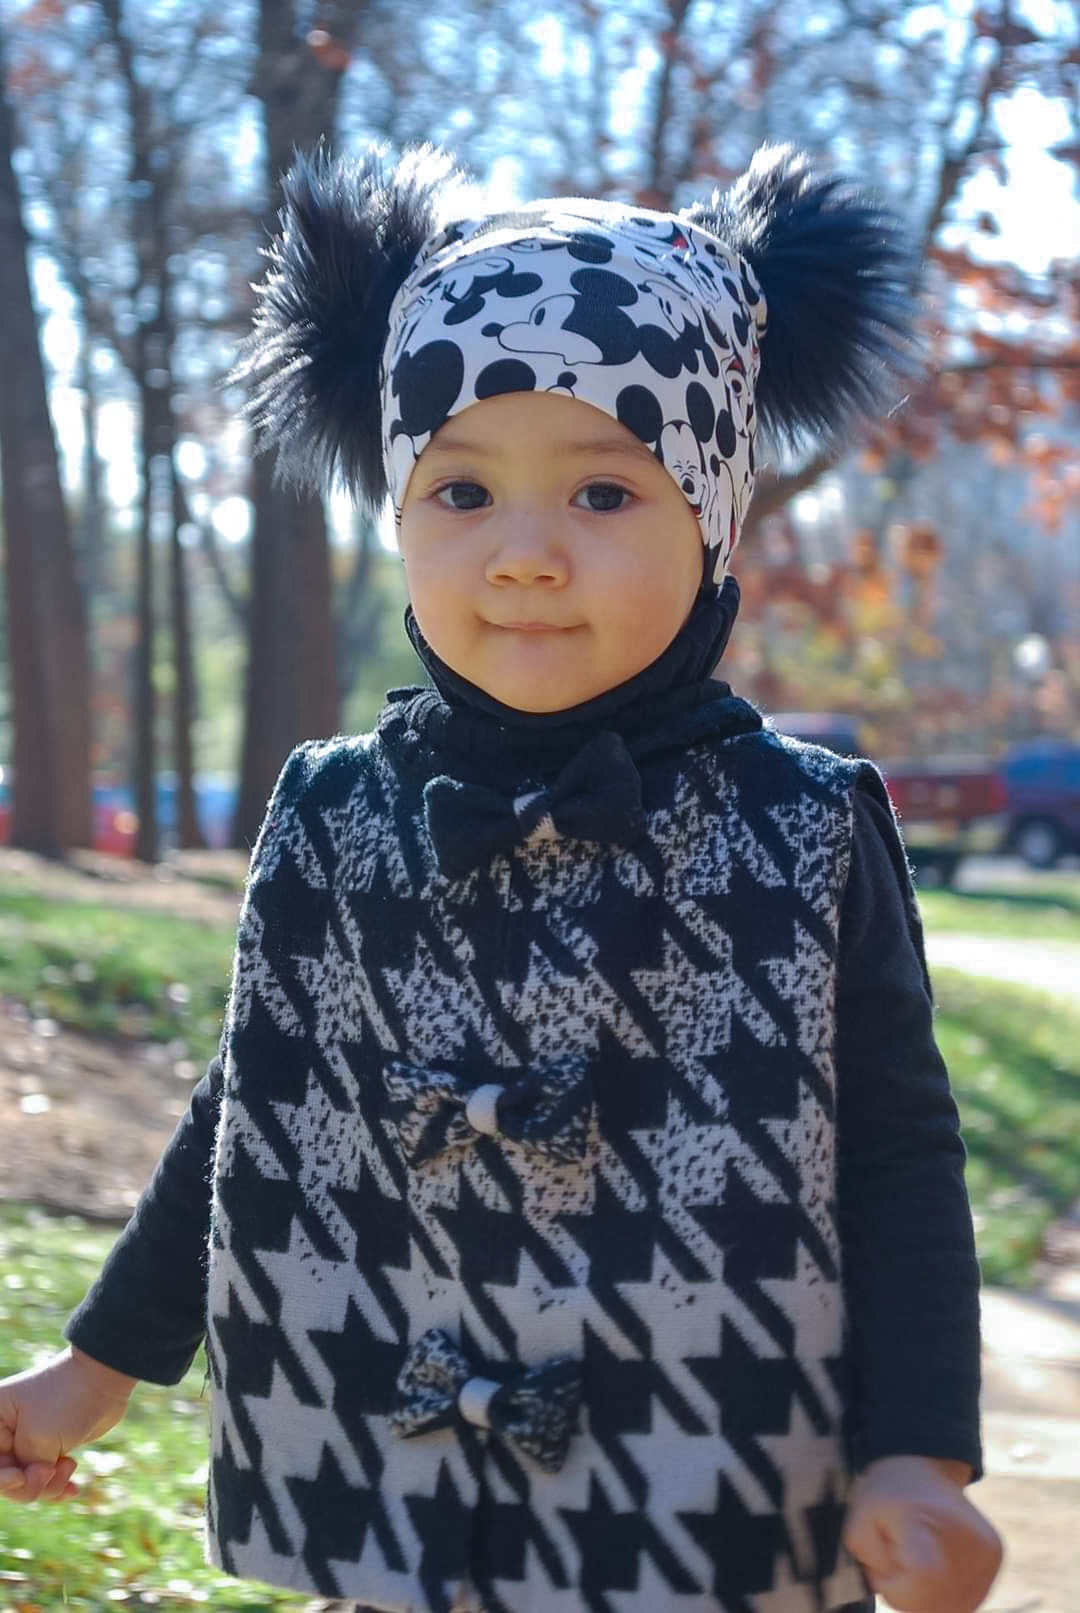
(47, 1411)
(924, 1547)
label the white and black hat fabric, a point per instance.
(646, 317)
(784, 302)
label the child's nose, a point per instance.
(528, 552)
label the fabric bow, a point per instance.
(546, 1109)
(536, 1409)
(597, 796)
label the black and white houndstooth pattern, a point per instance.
(688, 1260)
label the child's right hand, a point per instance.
(45, 1413)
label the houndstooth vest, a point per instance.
(673, 1247)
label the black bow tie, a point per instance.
(546, 1109)
(536, 1410)
(597, 796)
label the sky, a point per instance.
(1038, 209)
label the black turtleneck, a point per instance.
(914, 1323)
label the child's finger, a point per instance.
(918, 1570)
(35, 1479)
(15, 1487)
(917, 1548)
(870, 1544)
(59, 1486)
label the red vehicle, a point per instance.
(949, 808)
(114, 823)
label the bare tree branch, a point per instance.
(773, 489)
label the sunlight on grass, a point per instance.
(1047, 911)
(118, 971)
(132, 1537)
(1014, 1060)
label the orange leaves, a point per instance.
(42, 11)
(991, 287)
(1009, 33)
(919, 548)
(865, 559)
(1055, 482)
(328, 51)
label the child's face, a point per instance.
(549, 555)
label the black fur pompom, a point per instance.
(839, 284)
(350, 233)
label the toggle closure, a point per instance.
(481, 1108)
(546, 1108)
(535, 1408)
(474, 1401)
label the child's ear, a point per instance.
(839, 281)
(350, 233)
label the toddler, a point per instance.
(575, 1211)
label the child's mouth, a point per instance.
(533, 627)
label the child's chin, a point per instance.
(539, 691)
(535, 703)
(537, 697)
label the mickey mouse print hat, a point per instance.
(786, 300)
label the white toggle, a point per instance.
(474, 1400)
(480, 1110)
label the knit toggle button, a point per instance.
(482, 1108)
(545, 1107)
(535, 1409)
(474, 1400)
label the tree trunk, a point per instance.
(47, 644)
(93, 560)
(152, 173)
(292, 682)
(773, 489)
(360, 616)
(188, 833)
(144, 704)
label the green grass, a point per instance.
(132, 1537)
(1045, 908)
(1014, 1060)
(118, 971)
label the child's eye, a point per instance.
(463, 495)
(602, 497)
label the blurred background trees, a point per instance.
(929, 583)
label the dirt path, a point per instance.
(84, 1118)
(193, 884)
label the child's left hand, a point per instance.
(923, 1545)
